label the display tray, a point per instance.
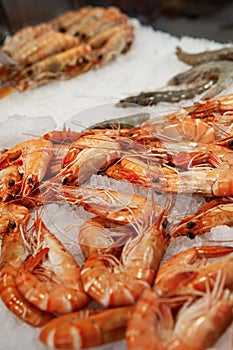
(14, 332)
(86, 100)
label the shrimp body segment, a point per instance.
(86, 328)
(209, 183)
(196, 326)
(16, 303)
(51, 280)
(194, 268)
(119, 207)
(176, 127)
(46, 45)
(117, 282)
(13, 252)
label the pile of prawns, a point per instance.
(185, 302)
(68, 45)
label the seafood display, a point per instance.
(65, 47)
(121, 284)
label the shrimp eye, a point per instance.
(29, 180)
(190, 224)
(155, 180)
(190, 235)
(12, 224)
(165, 224)
(230, 143)
(11, 182)
(65, 181)
(158, 193)
(11, 196)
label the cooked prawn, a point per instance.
(88, 155)
(212, 214)
(207, 182)
(86, 328)
(190, 270)
(196, 326)
(98, 234)
(9, 182)
(120, 207)
(13, 253)
(32, 158)
(116, 282)
(13, 215)
(50, 279)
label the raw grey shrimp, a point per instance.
(212, 214)
(208, 79)
(50, 279)
(86, 328)
(194, 59)
(196, 326)
(13, 253)
(117, 282)
(219, 72)
(211, 110)
(149, 98)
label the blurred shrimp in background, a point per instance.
(211, 20)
